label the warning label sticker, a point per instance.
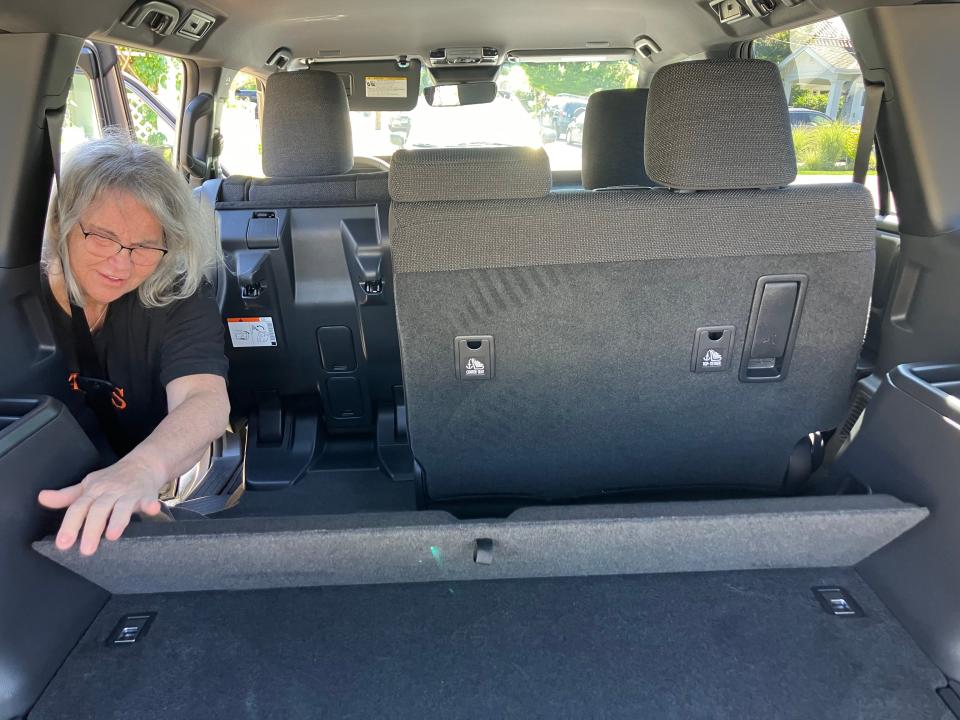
(385, 87)
(252, 332)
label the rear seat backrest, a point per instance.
(612, 152)
(594, 300)
(463, 174)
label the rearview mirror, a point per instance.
(470, 93)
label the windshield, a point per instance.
(537, 105)
(534, 107)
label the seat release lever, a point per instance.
(771, 332)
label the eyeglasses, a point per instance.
(104, 247)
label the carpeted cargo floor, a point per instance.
(694, 645)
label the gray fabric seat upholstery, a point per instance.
(332, 189)
(593, 301)
(612, 152)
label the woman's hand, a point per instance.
(199, 410)
(105, 500)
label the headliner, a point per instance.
(247, 32)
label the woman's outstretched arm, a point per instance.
(102, 503)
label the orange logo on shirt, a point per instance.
(117, 396)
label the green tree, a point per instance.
(580, 78)
(773, 47)
(247, 82)
(149, 68)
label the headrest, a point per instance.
(306, 125)
(719, 125)
(483, 173)
(613, 139)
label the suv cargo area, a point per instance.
(790, 607)
(584, 362)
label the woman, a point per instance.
(125, 250)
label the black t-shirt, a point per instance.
(141, 350)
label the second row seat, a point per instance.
(576, 344)
(310, 279)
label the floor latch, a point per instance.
(837, 601)
(131, 628)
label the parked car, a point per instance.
(802, 117)
(575, 128)
(399, 123)
(560, 111)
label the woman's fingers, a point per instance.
(73, 521)
(150, 506)
(59, 499)
(120, 517)
(102, 504)
(96, 523)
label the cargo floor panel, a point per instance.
(260, 553)
(693, 645)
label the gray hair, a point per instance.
(116, 162)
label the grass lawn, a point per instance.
(801, 171)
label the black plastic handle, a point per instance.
(197, 109)
(936, 386)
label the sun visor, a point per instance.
(377, 85)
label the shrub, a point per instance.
(829, 146)
(810, 99)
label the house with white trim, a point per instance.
(824, 62)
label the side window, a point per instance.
(242, 152)
(153, 84)
(825, 92)
(80, 121)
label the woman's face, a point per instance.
(102, 273)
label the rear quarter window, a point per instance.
(825, 91)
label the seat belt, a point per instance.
(883, 184)
(100, 394)
(873, 97)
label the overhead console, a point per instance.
(464, 64)
(443, 57)
(731, 11)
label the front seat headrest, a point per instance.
(613, 139)
(719, 125)
(306, 125)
